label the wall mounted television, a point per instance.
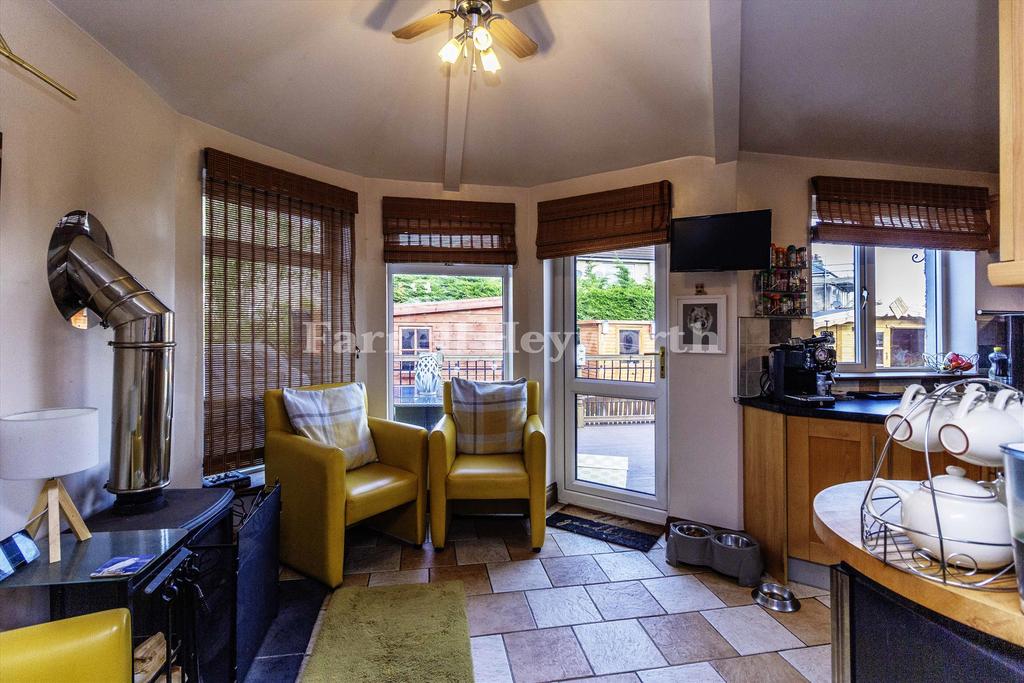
(725, 241)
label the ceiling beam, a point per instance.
(460, 78)
(725, 77)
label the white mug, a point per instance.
(911, 431)
(979, 426)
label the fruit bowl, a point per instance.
(951, 363)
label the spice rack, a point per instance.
(781, 290)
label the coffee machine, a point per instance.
(801, 370)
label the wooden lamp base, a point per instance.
(53, 500)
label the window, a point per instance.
(629, 342)
(881, 303)
(277, 261)
(414, 339)
(459, 311)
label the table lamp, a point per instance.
(47, 444)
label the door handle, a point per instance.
(661, 360)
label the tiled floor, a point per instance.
(587, 610)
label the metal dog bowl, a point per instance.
(689, 543)
(733, 540)
(692, 530)
(775, 597)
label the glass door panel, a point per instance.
(615, 442)
(615, 439)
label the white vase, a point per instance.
(428, 374)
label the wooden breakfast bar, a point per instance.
(937, 627)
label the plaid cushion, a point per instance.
(489, 416)
(335, 416)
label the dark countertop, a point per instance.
(854, 410)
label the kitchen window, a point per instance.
(883, 304)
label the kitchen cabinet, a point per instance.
(1009, 271)
(819, 454)
(788, 459)
(764, 485)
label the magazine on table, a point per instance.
(121, 566)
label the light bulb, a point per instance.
(482, 38)
(490, 60)
(451, 51)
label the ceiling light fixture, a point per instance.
(490, 61)
(451, 50)
(482, 38)
(481, 29)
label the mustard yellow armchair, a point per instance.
(92, 648)
(503, 476)
(319, 499)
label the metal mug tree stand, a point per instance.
(885, 537)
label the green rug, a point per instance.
(393, 634)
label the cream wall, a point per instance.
(112, 153)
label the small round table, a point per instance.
(837, 522)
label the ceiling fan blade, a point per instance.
(423, 25)
(509, 5)
(511, 37)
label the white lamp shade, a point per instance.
(49, 443)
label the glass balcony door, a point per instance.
(614, 386)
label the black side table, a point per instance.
(80, 559)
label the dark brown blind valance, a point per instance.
(229, 168)
(278, 291)
(447, 231)
(899, 214)
(636, 216)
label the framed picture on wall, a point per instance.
(702, 323)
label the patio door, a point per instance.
(614, 455)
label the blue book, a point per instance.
(16, 550)
(121, 566)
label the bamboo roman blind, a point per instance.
(899, 214)
(637, 216)
(446, 231)
(278, 259)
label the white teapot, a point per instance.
(974, 523)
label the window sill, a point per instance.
(903, 374)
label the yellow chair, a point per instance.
(502, 476)
(319, 499)
(91, 648)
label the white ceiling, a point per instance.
(902, 81)
(617, 83)
(319, 80)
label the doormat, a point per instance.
(603, 531)
(399, 634)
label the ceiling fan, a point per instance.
(481, 28)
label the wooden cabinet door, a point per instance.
(1010, 269)
(820, 453)
(764, 485)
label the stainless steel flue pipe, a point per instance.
(84, 275)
